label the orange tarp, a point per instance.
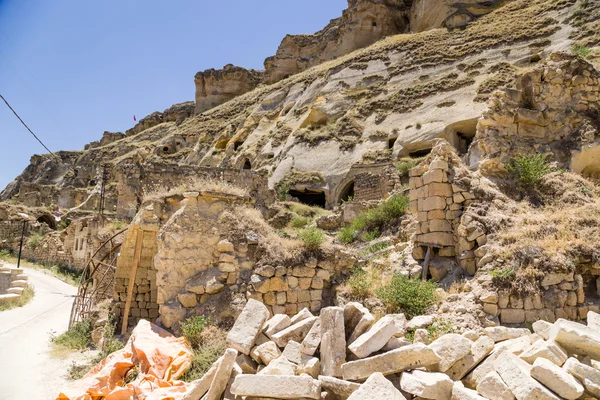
(161, 358)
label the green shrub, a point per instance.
(413, 297)
(299, 222)
(375, 248)
(4, 254)
(360, 284)
(529, 169)
(212, 345)
(371, 235)
(580, 50)
(78, 337)
(192, 329)
(375, 219)
(34, 240)
(283, 192)
(406, 164)
(63, 224)
(312, 237)
(117, 225)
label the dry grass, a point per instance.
(555, 237)
(159, 192)
(211, 344)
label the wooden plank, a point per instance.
(136, 260)
(426, 265)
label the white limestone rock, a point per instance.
(515, 373)
(277, 386)
(267, 352)
(501, 333)
(333, 341)
(493, 387)
(377, 387)
(248, 326)
(276, 324)
(451, 348)
(556, 379)
(375, 338)
(297, 332)
(545, 349)
(428, 385)
(460, 392)
(279, 366)
(542, 328)
(338, 387)
(576, 338)
(311, 342)
(589, 376)
(479, 350)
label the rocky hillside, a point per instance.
(389, 100)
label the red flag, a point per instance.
(134, 118)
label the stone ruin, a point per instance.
(191, 261)
(344, 353)
(13, 282)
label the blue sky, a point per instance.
(76, 68)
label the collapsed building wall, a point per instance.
(195, 260)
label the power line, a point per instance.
(25, 125)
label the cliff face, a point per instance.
(360, 111)
(215, 87)
(432, 14)
(362, 24)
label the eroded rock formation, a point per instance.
(431, 14)
(215, 87)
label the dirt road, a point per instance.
(28, 372)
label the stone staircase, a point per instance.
(12, 283)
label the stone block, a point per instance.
(309, 365)
(433, 176)
(588, 376)
(311, 342)
(187, 300)
(450, 348)
(545, 349)
(276, 324)
(248, 326)
(428, 385)
(434, 203)
(377, 387)
(295, 332)
(333, 341)
(494, 388)
(392, 362)
(512, 316)
(277, 386)
(576, 338)
(479, 350)
(556, 379)
(515, 373)
(375, 338)
(279, 366)
(440, 189)
(338, 387)
(219, 382)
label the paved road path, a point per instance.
(27, 370)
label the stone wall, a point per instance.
(562, 295)
(554, 110)
(198, 263)
(135, 181)
(368, 186)
(144, 296)
(439, 193)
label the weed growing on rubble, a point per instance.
(413, 297)
(212, 343)
(406, 164)
(299, 222)
(35, 239)
(312, 237)
(375, 218)
(192, 329)
(529, 168)
(580, 50)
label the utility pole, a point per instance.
(21, 244)
(105, 177)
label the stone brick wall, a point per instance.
(439, 198)
(368, 186)
(135, 181)
(198, 264)
(562, 295)
(144, 296)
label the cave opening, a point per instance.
(347, 193)
(237, 145)
(391, 142)
(247, 164)
(48, 220)
(310, 197)
(420, 153)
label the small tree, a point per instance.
(529, 169)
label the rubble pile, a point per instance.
(345, 353)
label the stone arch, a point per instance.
(48, 220)
(347, 192)
(247, 164)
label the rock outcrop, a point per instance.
(431, 14)
(362, 24)
(215, 87)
